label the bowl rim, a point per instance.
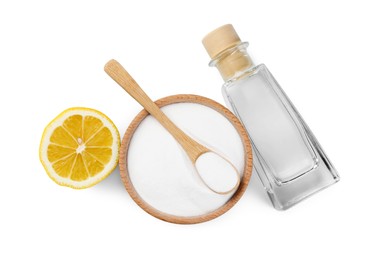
(186, 98)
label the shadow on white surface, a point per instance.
(112, 183)
(257, 192)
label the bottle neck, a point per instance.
(232, 62)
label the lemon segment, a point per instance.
(79, 148)
(91, 126)
(62, 137)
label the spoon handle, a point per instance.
(116, 71)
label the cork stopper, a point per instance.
(220, 39)
(235, 61)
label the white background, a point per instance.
(331, 57)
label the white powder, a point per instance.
(160, 170)
(217, 173)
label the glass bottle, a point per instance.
(287, 157)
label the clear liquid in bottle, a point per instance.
(287, 157)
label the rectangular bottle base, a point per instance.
(286, 195)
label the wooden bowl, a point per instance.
(124, 172)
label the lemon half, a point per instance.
(80, 147)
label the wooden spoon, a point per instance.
(215, 171)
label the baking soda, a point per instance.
(217, 172)
(163, 175)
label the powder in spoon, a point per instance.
(217, 172)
